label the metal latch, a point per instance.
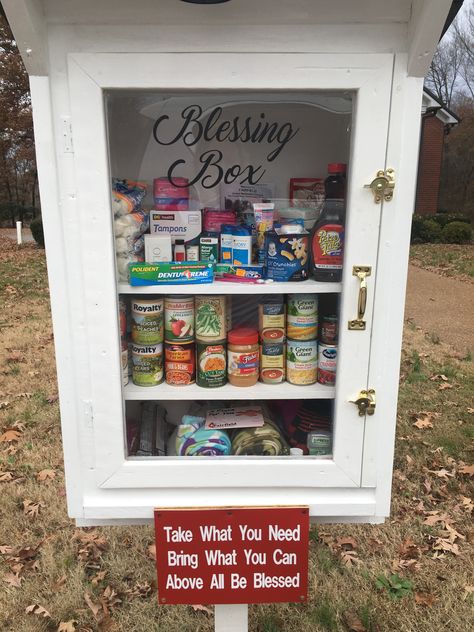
(365, 402)
(382, 185)
(361, 272)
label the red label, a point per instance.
(234, 555)
(328, 245)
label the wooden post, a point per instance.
(19, 239)
(231, 618)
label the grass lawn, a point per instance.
(445, 259)
(415, 573)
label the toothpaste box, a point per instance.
(177, 224)
(286, 255)
(170, 273)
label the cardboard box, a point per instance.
(158, 248)
(177, 224)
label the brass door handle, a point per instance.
(365, 402)
(382, 185)
(361, 272)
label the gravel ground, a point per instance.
(442, 307)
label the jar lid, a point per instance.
(337, 167)
(243, 336)
(296, 452)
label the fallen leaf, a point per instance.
(13, 580)
(467, 469)
(349, 558)
(442, 473)
(16, 356)
(32, 509)
(109, 600)
(445, 545)
(422, 424)
(467, 504)
(444, 386)
(94, 607)
(25, 395)
(439, 377)
(354, 624)
(5, 477)
(346, 542)
(38, 610)
(45, 475)
(468, 590)
(10, 435)
(201, 608)
(140, 589)
(4, 404)
(59, 583)
(67, 626)
(98, 577)
(53, 398)
(409, 460)
(425, 599)
(376, 546)
(470, 411)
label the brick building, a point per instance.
(437, 120)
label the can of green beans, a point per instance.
(210, 318)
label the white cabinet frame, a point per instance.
(369, 78)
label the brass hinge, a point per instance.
(382, 185)
(365, 402)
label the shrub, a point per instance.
(416, 224)
(430, 231)
(456, 233)
(36, 228)
(446, 218)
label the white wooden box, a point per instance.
(370, 55)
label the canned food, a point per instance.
(329, 330)
(272, 335)
(327, 361)
(210, 318)
(211, 364)
(272, 314)
(122, 304)
(302, 318)
(147, 321)
(272, 362)
(301, 361)
(124, 360)
(319, 443)
(180, 363)
(228, 313)
(147, 367)
(179, 319)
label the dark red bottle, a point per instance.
(327, 237)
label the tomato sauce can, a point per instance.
(302, 317)
(329, 330)
(272, 362)
(211, 364)
(210, 318)
(180, 363)
(147, 369)
(122, 317)
(179, 319)
(301, 361)
(327, 361)
(147, 321)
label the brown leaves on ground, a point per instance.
(141, 590)
(45, 475)
(425, 599)
(67, 626)
(38, 610)
(424, 420)
(32, 508)
(91, 546)
(107, 602)
(410, 554)
(201, 608)
(467, 469)
(20, 561)
(343, 547)
(353, 622)
(10, 434)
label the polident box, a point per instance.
(177, 224)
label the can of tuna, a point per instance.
(147, 321)
(319, 443)
(301, 361)
(147, 367)
(180, 363)
(210, 318)
(272, 362)
(211, 364)
(327, 361)
(179, 319)
(302, 317)
(124, 361)
(329, 330)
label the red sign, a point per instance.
(234, 555)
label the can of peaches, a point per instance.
(179, 319)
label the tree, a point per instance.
(18, 175)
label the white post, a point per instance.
(19, 239)
(232, 618)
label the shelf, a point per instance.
(221, 287)
(259, 391)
